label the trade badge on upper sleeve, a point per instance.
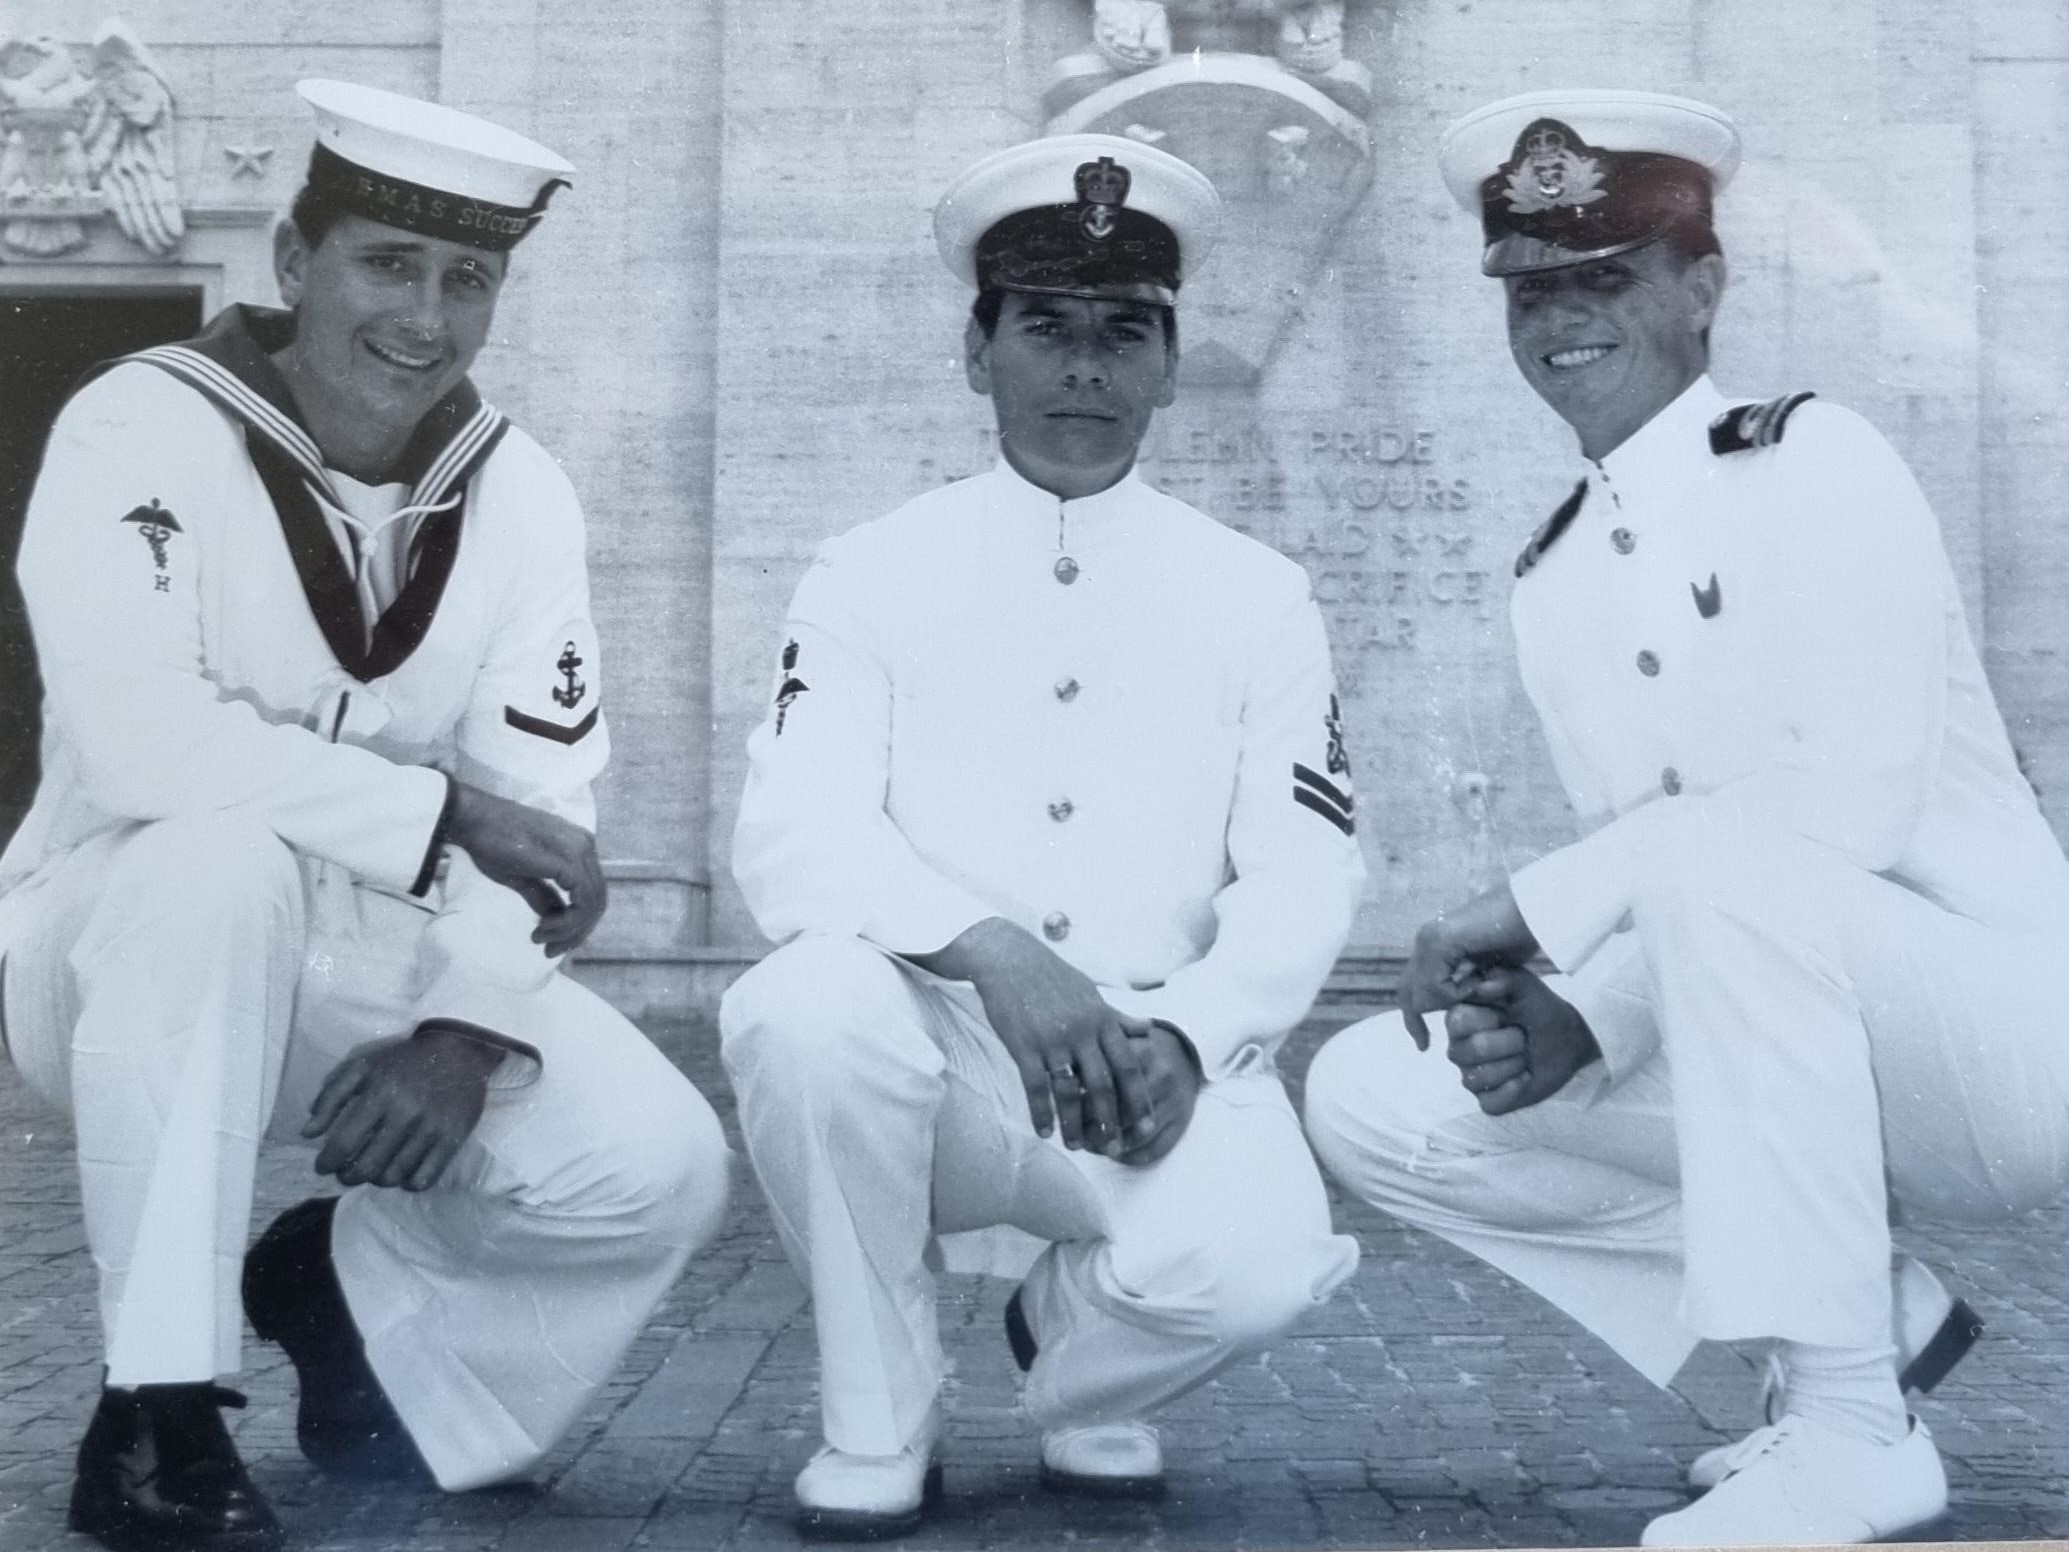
(1339, 759)
(157, 524)
(791, 688)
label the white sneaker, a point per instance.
(1111, 1460)
(1933, 1329)
(1711, 1467)
(844, 1497)
(1797, 1482)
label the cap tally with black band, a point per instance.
(426, 211)
(427, 168)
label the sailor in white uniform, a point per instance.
(313, 829)
(1052, 820)
(1796, 944)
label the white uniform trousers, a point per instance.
(850, 1064)
(1829, 1041)
(176, 986)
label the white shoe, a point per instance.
(1933, 1330)
(1797, 1482)
(1111, 1460)
(1711, 1467)
(844, 1497)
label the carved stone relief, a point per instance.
(1259, 95)
(85, 131)
(1305, 37)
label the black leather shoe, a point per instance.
(158, 1473)
(344, 1423)
(1019, 1334)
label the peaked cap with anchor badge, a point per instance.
(1561, 177)
(1095, 216)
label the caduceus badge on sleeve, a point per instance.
(157, 524)
(791, 688)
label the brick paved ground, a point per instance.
(1431, 1403)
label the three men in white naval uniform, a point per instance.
(1051, 818)
(322, 712)
(1796, 943)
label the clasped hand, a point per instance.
(1454, 949)
(1119, 1086)
(1515, 1041)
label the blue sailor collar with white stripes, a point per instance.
(1655, 458)
(1050, 517)
(231, 361)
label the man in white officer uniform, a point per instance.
(1797, 941)
(322, 715)
(1052, 820)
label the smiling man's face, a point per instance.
(387, 321)
(1074, 383)
(1609, 343)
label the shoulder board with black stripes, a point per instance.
(1554, 526)
(1744, 427)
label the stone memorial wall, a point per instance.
(736, 335)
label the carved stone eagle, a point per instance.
(77, 142)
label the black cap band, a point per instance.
(1568, 200)
(430, 212)
(1118, 253)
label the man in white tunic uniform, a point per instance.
(1052, 819)
(1797, 943)
(314, 826)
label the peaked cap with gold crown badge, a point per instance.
(1561, 177)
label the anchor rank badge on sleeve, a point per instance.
(565, 704)
(1318, 793)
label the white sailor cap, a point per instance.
(1079, 215)
(428, 168)
(1560, 177)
